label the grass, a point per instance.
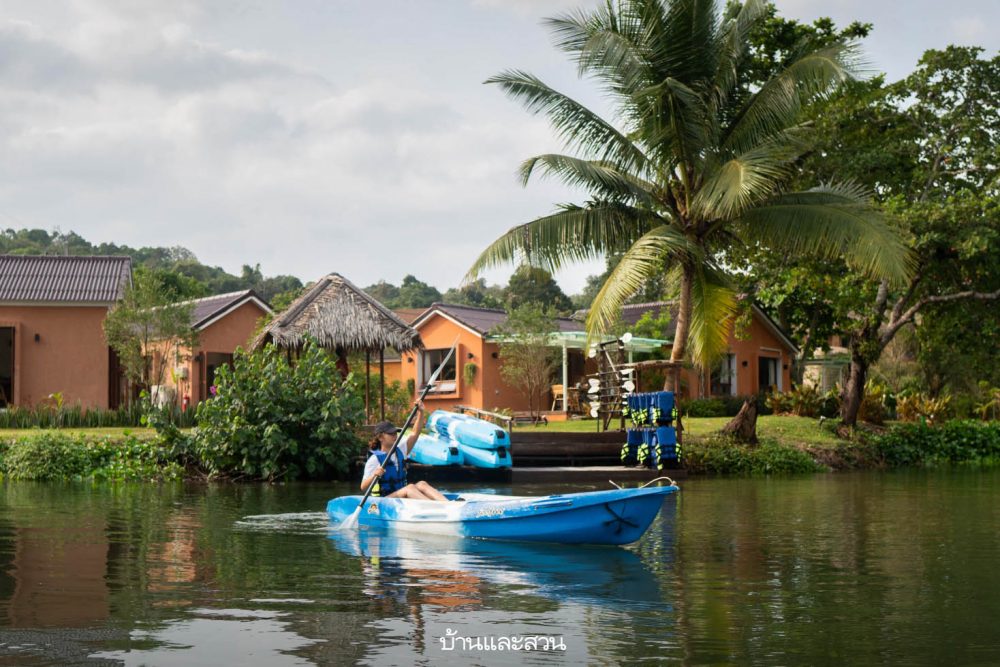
(18, 433)
(784, 429)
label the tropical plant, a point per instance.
(527, 360)
(272, 419)
(699, 162)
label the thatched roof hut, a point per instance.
(340, 317)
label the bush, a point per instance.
(272, 419)
(921, 407)
(957, 441)
(76, 416)
(876, 404)
(720, 455)
(56, 456)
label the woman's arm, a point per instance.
(417, 428)
(373, 472)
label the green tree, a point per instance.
(701, 161)
(414, 293)
(146, 321)
(529, 284)
(527, 359)
(476, 293)
(385, 293)
(927, 145)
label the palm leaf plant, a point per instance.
(697, 163)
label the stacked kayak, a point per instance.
(616, 516)
(435, 450)
(480, 443)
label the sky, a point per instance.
(312, 136)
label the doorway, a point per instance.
(6, 366)
(767, 375)
(214, 360)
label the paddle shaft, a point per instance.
(409, 419)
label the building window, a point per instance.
(723, 379)
(768, 375)
(446, 382)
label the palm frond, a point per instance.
(574, 123)
(575, 233)
(605, 46)
(830, 221)
(645, 258)
(713, 307)
(748, 179)
(734, 38)
(777, 105)
(601, 178)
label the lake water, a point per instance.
(900, 568)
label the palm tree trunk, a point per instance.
(682, 330)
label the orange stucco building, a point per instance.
(759, 360)
(52, 312)
(224, 323)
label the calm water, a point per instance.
(839, 569)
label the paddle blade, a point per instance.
(351, 522)
(629, 386)
(593, 412)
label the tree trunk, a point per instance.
(854, 391)
(744, 425)
(681, 331)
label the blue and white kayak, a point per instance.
(433, 450)
(616, 516)
(468, 431)
(485, 458)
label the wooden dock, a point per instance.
(552, 457)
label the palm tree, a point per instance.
(699, 166)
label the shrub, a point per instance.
(921, 407)
(56, 456)
(956, 441)
(273, 419)
(720, 455)
(875, 403)
(802, 400)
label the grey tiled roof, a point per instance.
(59, 279)
(485, 320)
(207, 308)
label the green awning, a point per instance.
(577, 340)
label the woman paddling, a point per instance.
(390, 477)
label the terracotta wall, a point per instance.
(488, 391)
(223, 336)
(70, 356)
(760, 342)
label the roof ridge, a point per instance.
(10, 255)
(215, 296)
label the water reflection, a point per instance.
(215, 637)
(453, 571)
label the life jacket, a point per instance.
(394, 477)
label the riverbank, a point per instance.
(787, 445)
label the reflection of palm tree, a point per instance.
(700, 165)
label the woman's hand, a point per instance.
(379, 471)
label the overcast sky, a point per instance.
(317, 135)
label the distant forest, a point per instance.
(185, 277)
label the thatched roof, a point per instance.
(338, 314)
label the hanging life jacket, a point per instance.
(394, 477)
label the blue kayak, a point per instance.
(433, 450)
(485, 458)
(468, 431)
(616, 516)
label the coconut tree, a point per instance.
(697, 162)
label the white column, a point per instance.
(565, 369)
